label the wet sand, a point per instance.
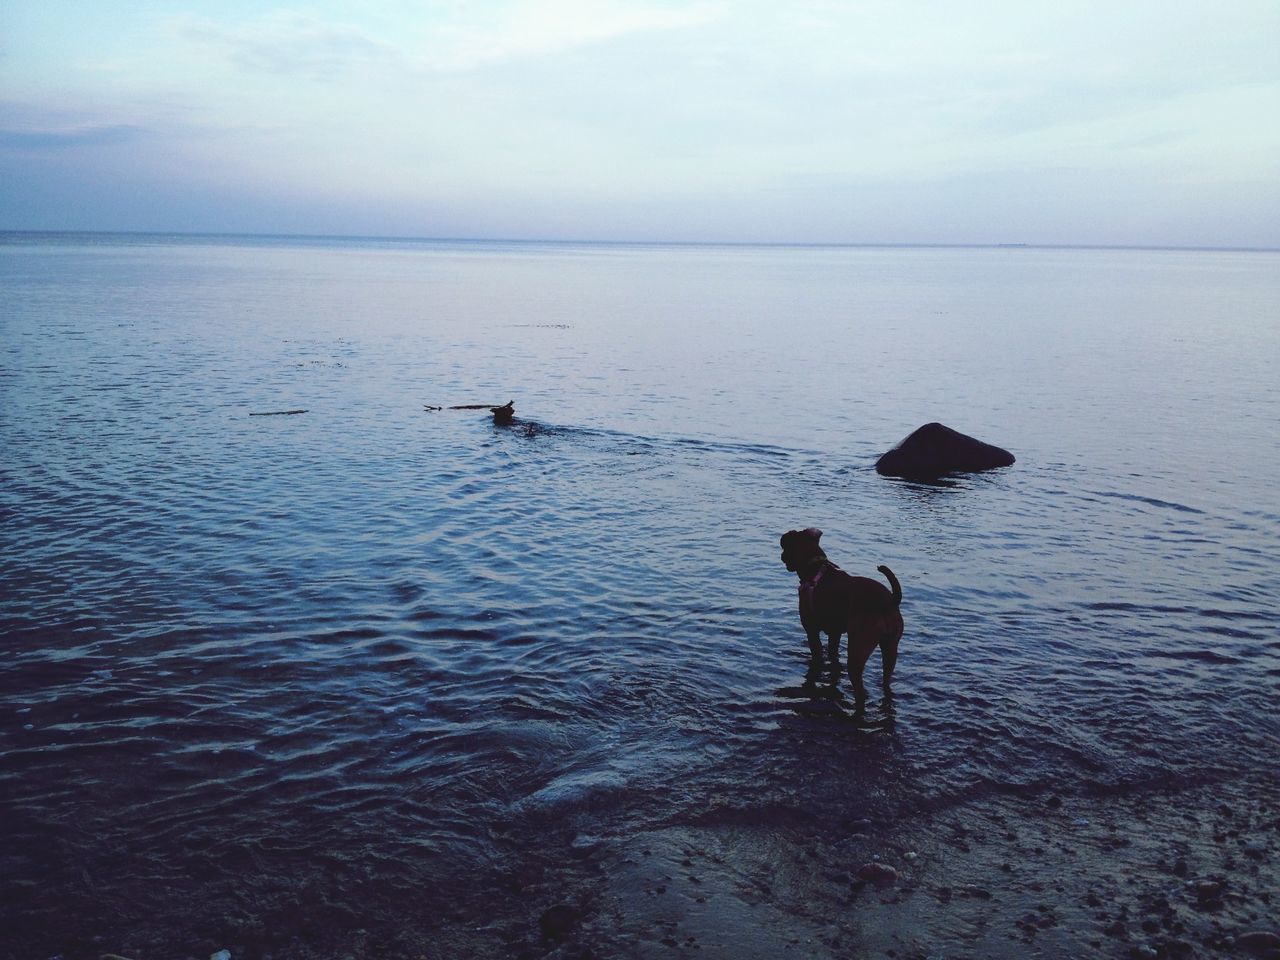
(1152, 873)
(1158, 872)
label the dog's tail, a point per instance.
(893, 582)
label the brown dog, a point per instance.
(833, 602)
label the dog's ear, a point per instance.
(811, 534)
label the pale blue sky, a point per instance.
(990, 121)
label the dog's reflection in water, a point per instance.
(819, 695)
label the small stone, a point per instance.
(1258, 941)
(220, 955)
(557, 922)
(1054, 803)
(1207, 889)
(880, 874)
(910, 855)
(1180, 868)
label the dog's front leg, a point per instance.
(812, 627)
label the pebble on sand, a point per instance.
(1258, 941)
(557, 922)
(880, 874)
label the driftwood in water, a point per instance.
(277, 413)
(502, 415)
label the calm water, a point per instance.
(376, 648)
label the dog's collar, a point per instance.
(808, 583)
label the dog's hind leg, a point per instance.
(889, 647)
(888, 657)
(862, 640)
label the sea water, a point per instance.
(389, 652)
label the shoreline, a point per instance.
(1165, 872)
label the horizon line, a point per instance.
(819, 244)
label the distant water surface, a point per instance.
(375, 647)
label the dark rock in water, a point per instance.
(558, 922)
(935, 450)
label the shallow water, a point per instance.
(375, 647)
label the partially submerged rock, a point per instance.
(935, 450)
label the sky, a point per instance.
(812, 121)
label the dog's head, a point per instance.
(799, 547)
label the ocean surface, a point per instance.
(378, 656)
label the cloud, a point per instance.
(458, 38)
(290, 43)
(72, 137)
(535, 28)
